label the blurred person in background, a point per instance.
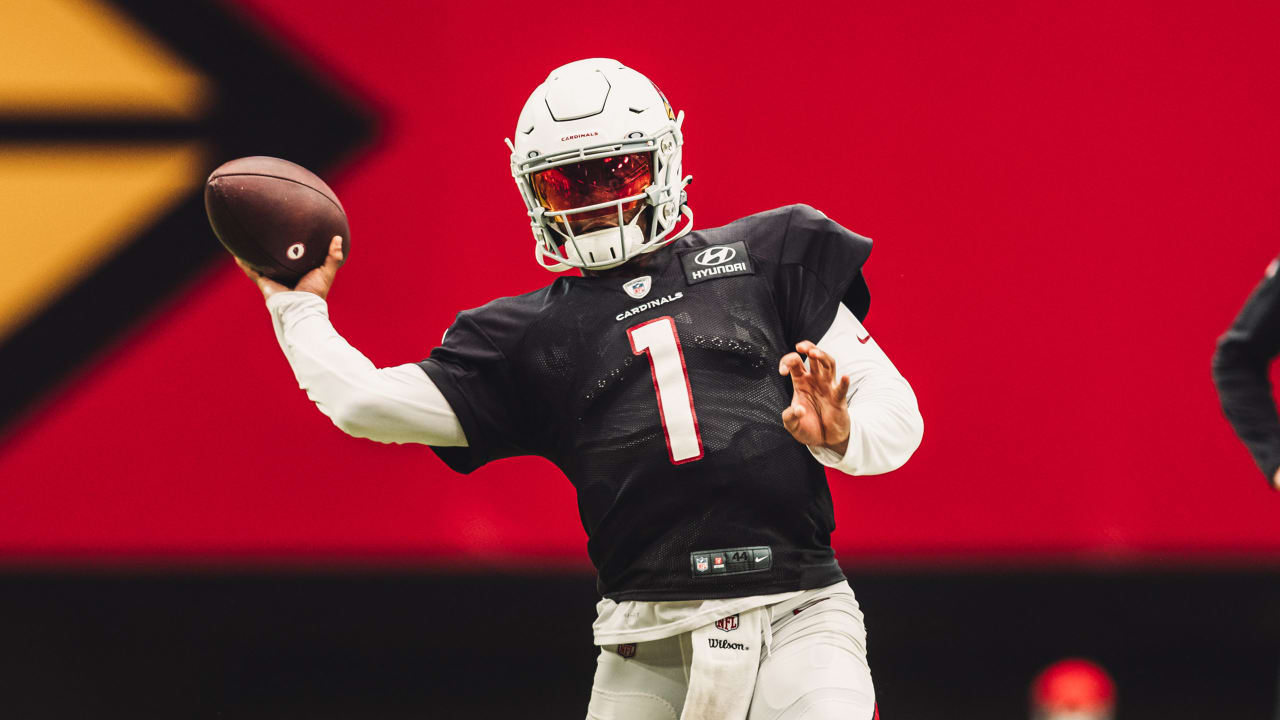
(1073, 689)
(676, 383)
(1240, 371)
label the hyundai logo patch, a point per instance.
(717, 261)
(715, 255)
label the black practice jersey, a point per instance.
(659, 398)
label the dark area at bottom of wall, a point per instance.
(955, 644)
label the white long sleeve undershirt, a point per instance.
(392, 405)
(402, 405)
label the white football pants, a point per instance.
(813, 665)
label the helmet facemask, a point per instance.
(587, 203)
(588, 207)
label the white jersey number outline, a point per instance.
(658, 339)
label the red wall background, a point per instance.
(1069, 205)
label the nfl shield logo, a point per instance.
(639, 287)
(701, 563)
(628, 650)
(728, 624)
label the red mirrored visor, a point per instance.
(592, 182)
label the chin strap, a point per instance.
(687, 212)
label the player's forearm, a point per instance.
(885, 428)
(398, 404)
(885, 425)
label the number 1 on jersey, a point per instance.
(658, 339)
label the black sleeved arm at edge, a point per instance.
(1240, 371)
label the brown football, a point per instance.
(276, 216)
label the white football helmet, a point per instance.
(596, 147)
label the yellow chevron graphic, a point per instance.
(81, 57)
(68, 207)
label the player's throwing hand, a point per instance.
(317, 281)
(819, 413)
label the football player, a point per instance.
(677, 384)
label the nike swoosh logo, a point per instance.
(865, 339)
(762, 559)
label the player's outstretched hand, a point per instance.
(317, 281)
(818, 414)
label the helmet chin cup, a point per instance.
(604, 248)
(566, 259)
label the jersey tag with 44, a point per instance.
(730, 561)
